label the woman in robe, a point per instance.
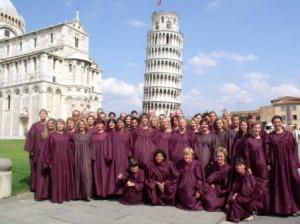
(284, 178)
(120, 153)
(154, 123)
(162, 137)
(180, 140)
(134, 123)
(217, 184)
(71, 126)
(42, 177)
(224, 135)
(33, 145)
(191, 182)
(132, 182)
(83, 162)
(161, 180)
(206, 143)
(194, 127)
(128, 121)
(111, 125)
(255, 155)
(174, 123)
(102, 157)
(60, 156)
(142, 145)
(245, 197)
(239, 141)
(90, 124)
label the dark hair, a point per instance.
(160, 151)
(43, 110)
(215, 123)
(128, 115)
(239, 161)
(112, 113)
(172, 120)
(135, 118)
(100, 121)
(144, 115)
(133, 162)
(212, 112)
(76, 111)
(254, 124)
(206, 120)
(276, 117)
(250, 116)
(111, 120)
(197, 114)
(134, 112)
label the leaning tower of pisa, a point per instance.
(163, 73)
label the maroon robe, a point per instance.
(102, 157)
(178, 143)
(166, 173)
(237, 147)
(33, 145)
(143, 147)
(225, 139)
(214, 198)
(191, 180)
(120, 154)
(92, 130)
(284, 178)
(162, 141)
(135, 194)
(59, 157)
(205, 148)
(248, 199)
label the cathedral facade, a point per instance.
(50, 68)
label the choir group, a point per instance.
(216, 164)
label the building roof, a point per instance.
(7, 7)
(286, 100)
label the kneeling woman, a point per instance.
(161, 180)
(217, 184)
(245, 198)
(132, 183)
(191, 181)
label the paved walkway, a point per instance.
(23, 209)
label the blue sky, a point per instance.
(238, 54)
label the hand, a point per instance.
(249, 170)
(269, 167)
(234, 196)
(120, 176)
(198, 194)
(130, 184)
(213, 186)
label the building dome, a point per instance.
(11, 22)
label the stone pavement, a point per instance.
(23, 209)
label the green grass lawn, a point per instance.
(13, 149)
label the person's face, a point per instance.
(70, 125)
(134, 114)
(256, 130)
(172, 114)
(100, 127)
(159, 158)
(161, 117)
(165, 124)
(50, 125)
(122, 116)
(91, 121)
(81, 126)
(212, 117)
(154, 123)
(244, 127)
(60, 126)
(220, 158)
(43, 115)
(204, 126)
(102, 116)
(188, 157)
(181, 124)
(145, 121)
(194, 124)
(112, 116)
(251, 120)
(120, 124)
(94, 115)
(134, 123)
(128, 120)
(277, 123)
(240, 169)
(134, 169)
(227, 116)
(175, 121)
(179, 113)
(111, 125)
(199, 118)
(75, 115)
(219, 125)
(236, 121)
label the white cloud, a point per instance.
(121, 96)
(201, 62)
(233, 56)
(69, 3)
(136, 23)
(213, 5)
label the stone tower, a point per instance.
(163, 72)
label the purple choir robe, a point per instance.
(178, 143)
(33, 145)
(92, 130)
(225, 139)
(205, 148)
(102, 156)
(191, 180)
(142, 146)
(83, 166)
(135, 194)
(162, 140)
(248, 200)
(214, 198)
(284, 178)
(237, 147)
(59, 157)
(167, 173)
(120, 154)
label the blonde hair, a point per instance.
(46, 132)
(188, 150)
(222, 150)
(85, 124)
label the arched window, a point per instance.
(8, 102)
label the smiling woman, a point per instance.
(13, 149)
